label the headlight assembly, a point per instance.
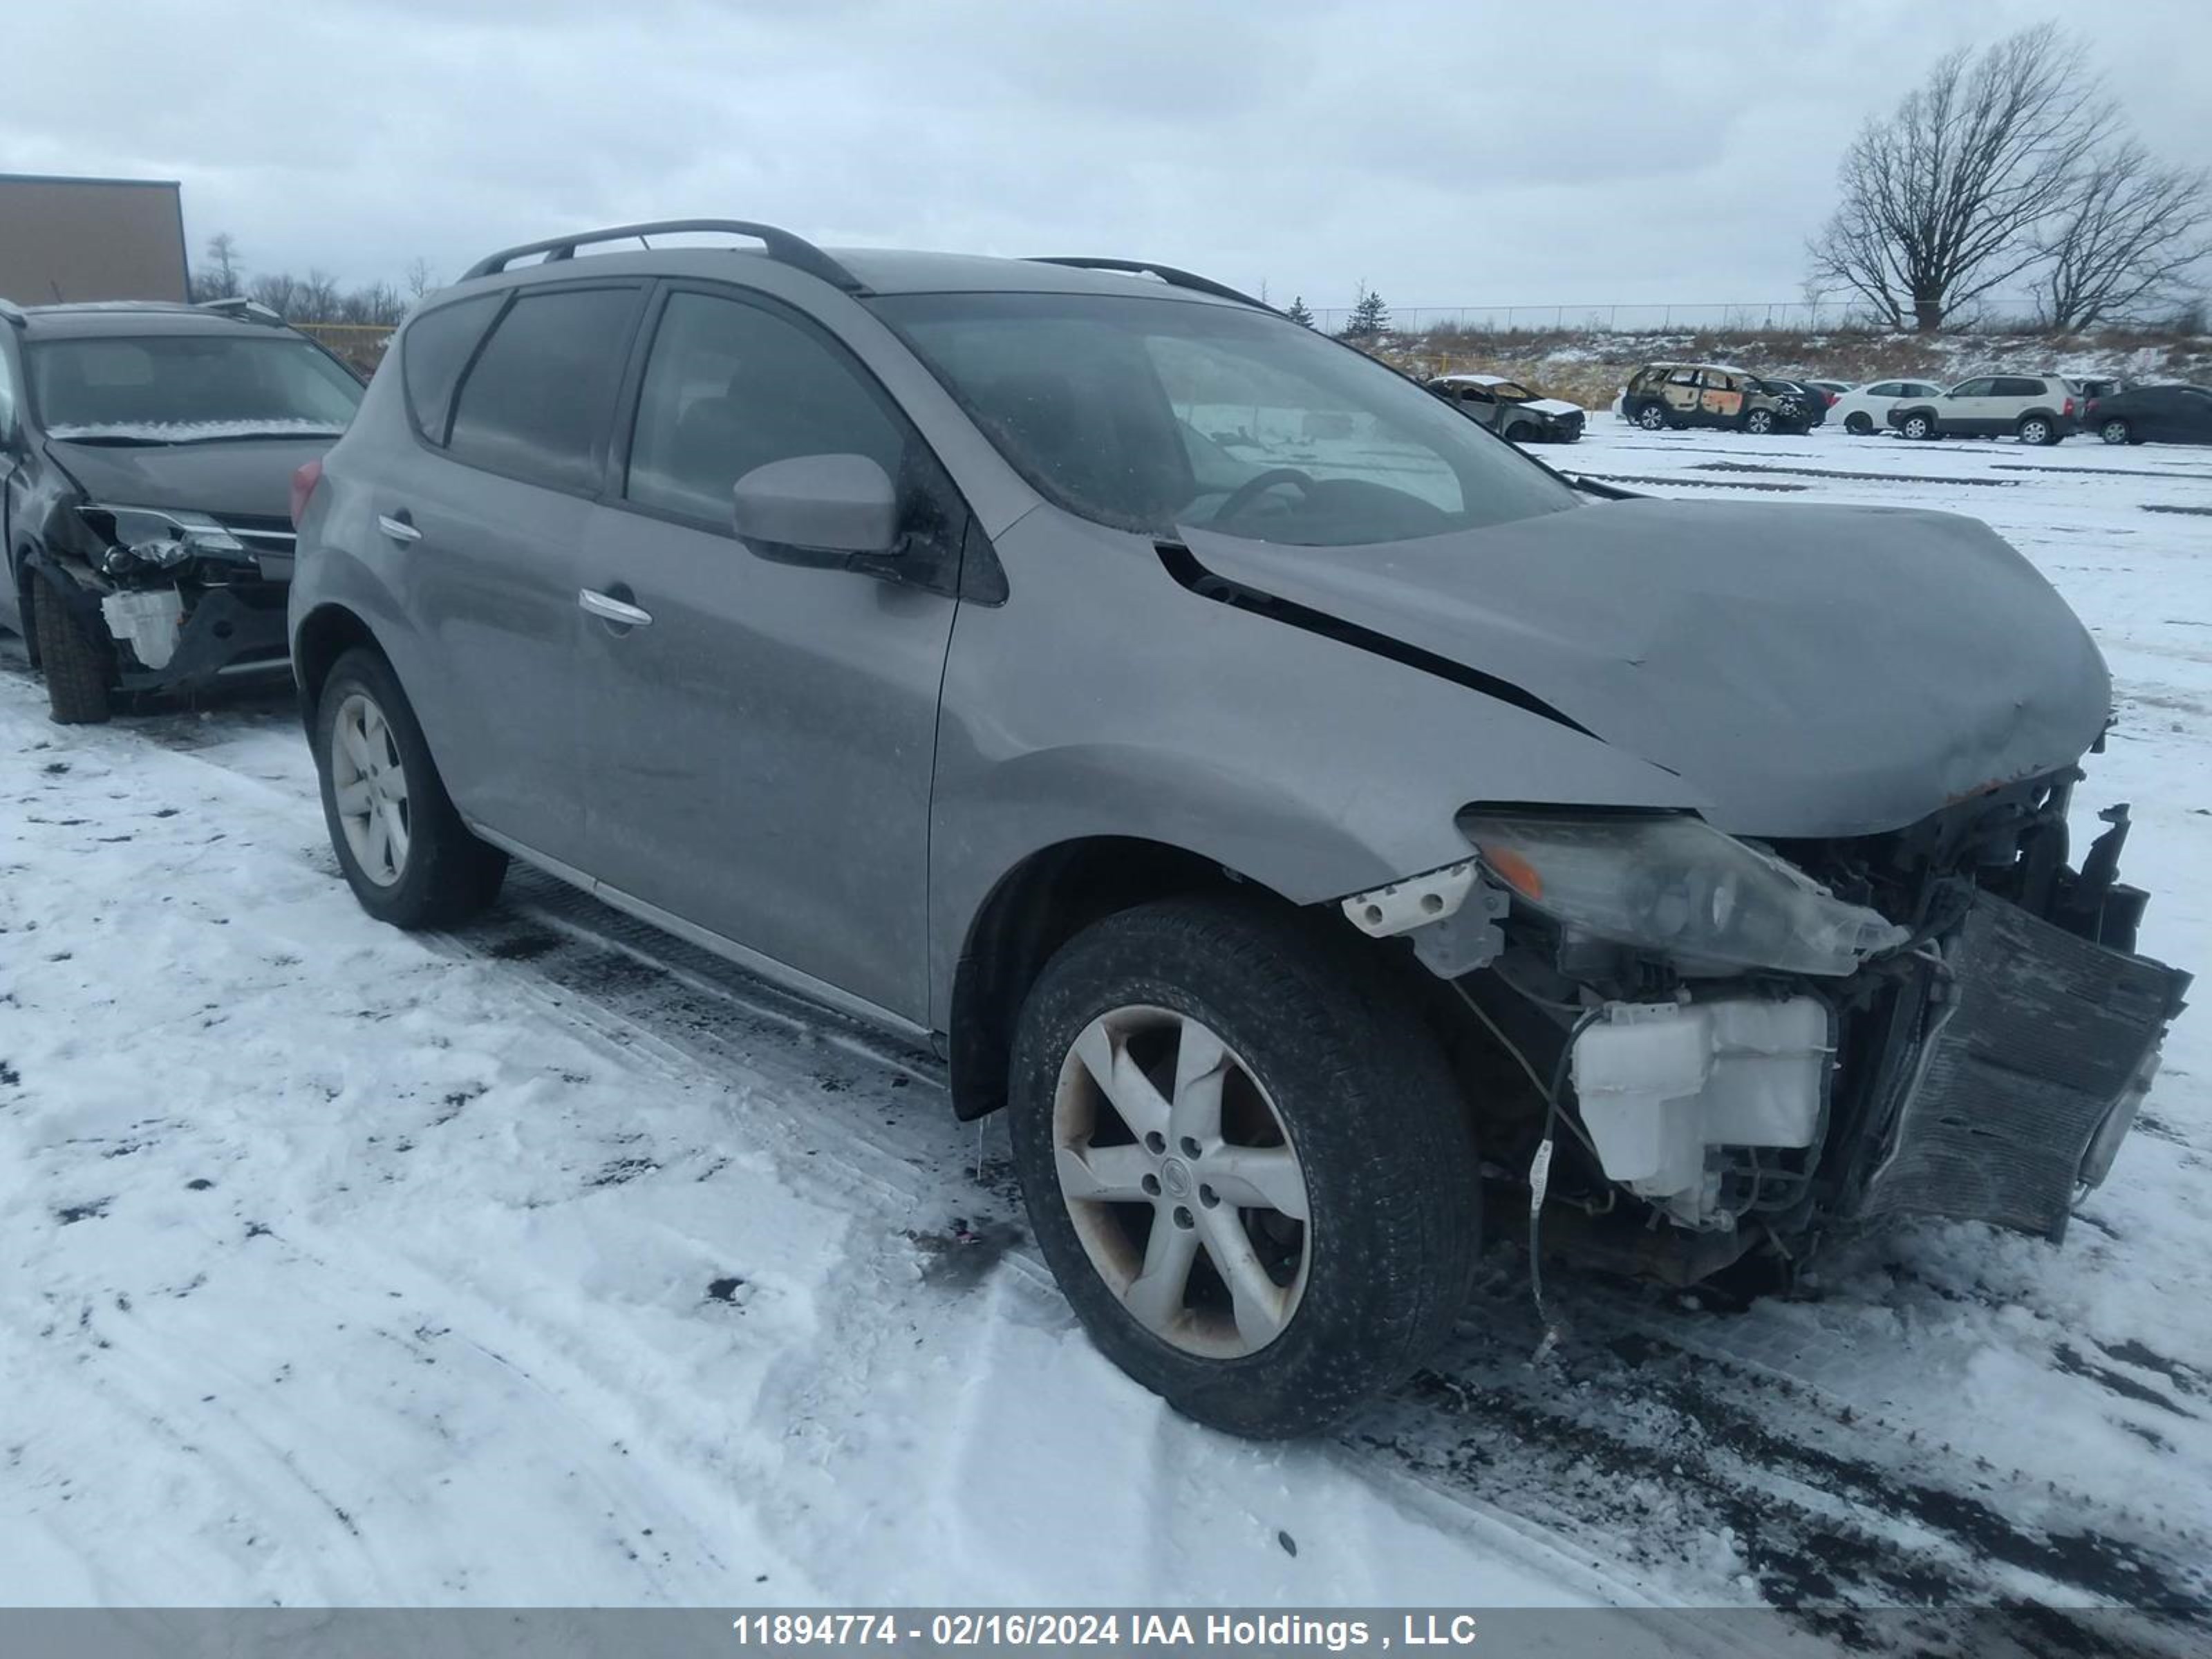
(1678, 886)
(144, 536)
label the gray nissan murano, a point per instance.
(1296, 808)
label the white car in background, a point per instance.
(1865, 409)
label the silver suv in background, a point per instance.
(1280, 795)
(2037, 408)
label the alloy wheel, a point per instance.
(1180, 1180)
(369, 783)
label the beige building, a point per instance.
(90, 238)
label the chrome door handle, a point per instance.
(399, 529)
(613, 610)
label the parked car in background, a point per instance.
(1662, 396)
(1863, 409)
(1510, 409)
(1834, 389)
(2151, 415)
(148, 451)
(1804, 404)
(1257, 823)
(2037, 408)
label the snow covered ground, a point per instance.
(552, 1262)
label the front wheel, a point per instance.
(405, 853)
(2115, 431)
(80, 669)
(1859, 425)
(1246, 1163)
(1652, 417)
(1760, 422)
(1918, 426)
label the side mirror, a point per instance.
(825, 510)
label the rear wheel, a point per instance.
(80, 669)
(405, 853)
(1858, 425)
(1519, 432)
(2038, 430)
(1246, 1163)
(2116, 431)
(1918, 426)
(1652, 417)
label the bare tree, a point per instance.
(420, 282)
(2126, 242)
(219, 279)
(279, 290)
(1943, 198)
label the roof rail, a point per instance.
(781, 246)
(237, 305)
(12, 315)
(1167, 273)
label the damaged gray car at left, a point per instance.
(147, 455)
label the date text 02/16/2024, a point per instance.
(1002, 1628)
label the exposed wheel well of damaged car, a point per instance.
(1036, 908)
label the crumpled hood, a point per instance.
(1810, 671)
(245, 478)
(1552, 406)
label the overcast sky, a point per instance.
(1469, 154)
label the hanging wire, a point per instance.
(1540, 1167)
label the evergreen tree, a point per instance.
(1369, 316)
(1298, 314)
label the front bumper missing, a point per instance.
(2025, 1077)
(226, 629)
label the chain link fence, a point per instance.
(1776, 316)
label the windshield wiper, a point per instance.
(114, 439)
(255, 436)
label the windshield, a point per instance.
(188, 388)
(1150, 414)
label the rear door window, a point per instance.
(434, 350)
(2013, 387)
(536, 402)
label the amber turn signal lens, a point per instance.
(1514, 871)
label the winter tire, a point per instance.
(2115, 431)
(1652, 417)
(404, 851)
(79, 670)
(2037, 429)
(1859, 425)
(1918, 426)
(1247, 1164)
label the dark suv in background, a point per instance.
(146, 457)
(1248, 773)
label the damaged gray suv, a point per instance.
(1296, 808)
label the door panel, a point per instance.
(758, 758)
(486, 553)
(1721, 399)
(492, 585)
(1680, 391)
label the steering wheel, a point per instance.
(1241, 498)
